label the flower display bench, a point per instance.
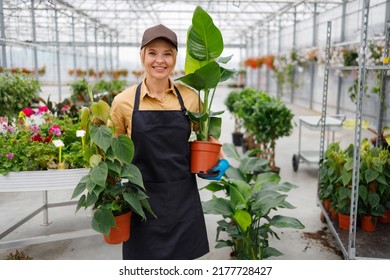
(44, 181)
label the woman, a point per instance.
(153, 114)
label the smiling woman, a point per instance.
(153, 113)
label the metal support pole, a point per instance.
(86, 46)
(312, 65)
(111, 58)
(117, 51)
(58, 55)
(96, 55)
(34, 40)
(2, 32)
(259, 53)
(74, 50)
(294, 47)
(105, 51)
(382, 96)
(45, 210)
(342, 39)
(358, 131)
(279, 89)
(268, 52)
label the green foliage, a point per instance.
(265, 117)
(26, 145)
(114, 185)
(247, 208)
(203, 71)
(17, 92)
(374, 178)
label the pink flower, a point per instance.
(34, 129)
(10, 155)
(42, 109)
(65, 108)
(55, 129)
(28, 112)
(11, 129)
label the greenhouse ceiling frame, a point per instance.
(122, 22)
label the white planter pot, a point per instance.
(42, 180)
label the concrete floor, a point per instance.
(314, 242)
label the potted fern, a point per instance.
(113, 187)
(204, 73)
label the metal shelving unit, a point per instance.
(369, 245)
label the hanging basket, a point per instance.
(121, 232)
(204, 155)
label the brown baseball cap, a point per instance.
(159, 31)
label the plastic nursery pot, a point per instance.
(344, 220)
(386, 218)
(368, 222)
(326, 204)
(204, 155)
(121, 232)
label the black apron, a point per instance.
(162, 154)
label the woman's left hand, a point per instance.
(217, 171)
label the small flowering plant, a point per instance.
(27, 142)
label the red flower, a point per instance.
(48, 139)
(36, 137)
(28, 112)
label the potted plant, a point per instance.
(16, 92)
(267, 119)
(247, 208)
(230, 103)
(373, 184)
(113, 186)
(204, 73)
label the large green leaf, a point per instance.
(226, 74)
(237, 200)
(84, 117)
(80, 186)
(103, 220)
(135, 204)
(133, 174)
(215, 127)
(270, 252)
(266, 200)
(123, 148)
(217, 206)
(203, 78)
(286, 222)
(101, 110)
(99, 174)
(230, 151)
(204, 40)
(101, 136)
(243, 219)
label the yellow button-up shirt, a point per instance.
(123, 104)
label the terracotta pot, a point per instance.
(368, 222)
(334, 214)
(121, 232)
(344, 220)
(326, 204)
(386, 218)
(204, 155)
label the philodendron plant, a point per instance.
(204, 72)
(247, 208)
(113, 185)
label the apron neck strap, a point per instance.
(138, 94)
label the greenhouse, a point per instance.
(104, 106)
